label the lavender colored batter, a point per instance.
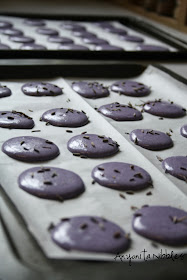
(95, 41)
(176, 166)
(65, 117)
(51, 183)
(47, 31)
(15, 120)
(164, 224)
(34, 22)
(164, 109)
(90, 89)
(84, 34)
(5, 24)
(32, 46)
(121, 176)
(151, 139)
(41, 89)
(108, 48)
(59, 39)
(4, 91)
(92, 146)
(131, 38)
(183, 130)
(4, 47)
(12, 32)
(21, 39)
(90, 233)
(115, 30)
(120, 112)
(73, 26)
(73, 47)
(30, 149)
(130, 88)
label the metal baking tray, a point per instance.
(163, 184)
(130, 22)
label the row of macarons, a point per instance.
(17, 36)
(66, 117)
(35, 149)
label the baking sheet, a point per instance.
(113, 39)
(39, 213)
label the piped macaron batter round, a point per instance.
(130, 88)
(41, 89)
(164, 109)
(121, 176)
(90, 89)
(65, 117)
(120, 112)
(183, 130)
(164, 224)
(4, 91)
(91, 234)
(51, 183)
(30, 149)
(92, 146)
(176, 166)
(14, 119)
(151, 139)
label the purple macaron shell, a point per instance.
(176, 166)
(131, 88)
(47, 31)
(41, 89)
(120, 112)
(108, 48)
(59, 39)
(4, 47)
(95, 41)
(121, 176)
(4, 91)
(34, 22)
(15, 120)
(21, 39)
(5, 24)
(84, 34)
(90, 233)
(92, 146)
(90, 89)
(12, 32)
(32, 46)
(51, 183)
(72, 47)
(131, 38)
(159, 223)
(115, 30)
(73, 26)
(65, 117)
(164, 109)
(152, 48)
(30, 149)
(183, 130)
(151, 139)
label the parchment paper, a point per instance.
(43, 39)
(39, 213)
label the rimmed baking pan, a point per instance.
(151, 34)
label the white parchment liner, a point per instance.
(39, 213)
